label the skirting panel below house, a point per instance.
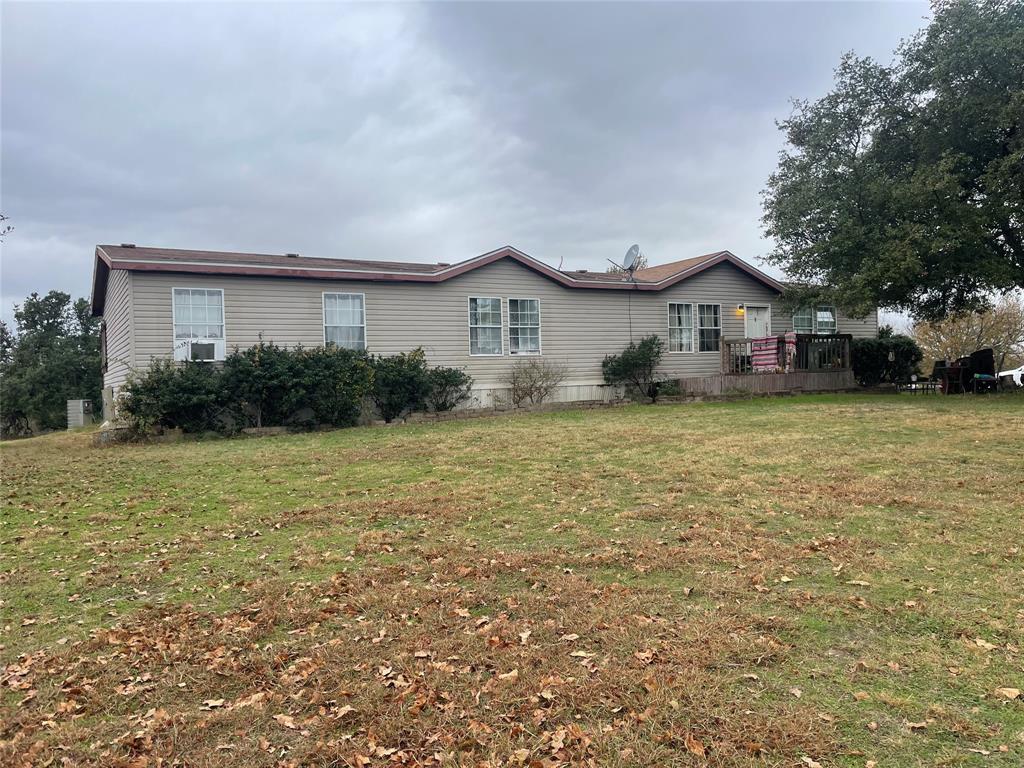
(484, 396)
(767, 383)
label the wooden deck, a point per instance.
(813, 363)
(767, 383)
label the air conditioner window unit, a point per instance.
(203, 350)
(199, 350)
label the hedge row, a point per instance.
(269, 386)
(889, 358)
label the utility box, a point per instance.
(79, 413)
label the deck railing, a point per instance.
(811, 352)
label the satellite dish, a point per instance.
(630, 259)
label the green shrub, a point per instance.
(176, 396)
(400, 383)
(636, 366)
(332, 382)
(870, 357)
(448, 388)
(259, 385)
(269, 386)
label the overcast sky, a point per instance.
(430, 132)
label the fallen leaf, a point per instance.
(861, 696)
(213, 703)
(858, 583)
(1008, 693)
(286, 720)
(513, 675)
(810, 763)
(694, 745)
(796, 692)
(917, 726)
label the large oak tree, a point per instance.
(904, 187)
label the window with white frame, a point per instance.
(198, 313)
(825, 319)
(198, 320)
(485, 326)
(524, 326)
(709, 327)
(345, 320)
(803, 320)
(680, 328)
(819, 319)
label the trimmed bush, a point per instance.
(332, 382)
(271, 386)
(449, 387)
(871, 364)
(636, 366)
(259, 385)
(533, 380)
(400, 383)
(173, 396)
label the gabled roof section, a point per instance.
(664, 271)
(144, 259)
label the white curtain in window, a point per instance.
(680, 328)
(345, 320)
(485, 326)
(198, 313)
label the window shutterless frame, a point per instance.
(803, 320)
(680, 328)
(470, 325)
(220, 344)
(323, 315)
(698, 327)
(830, 309)
(540, 344)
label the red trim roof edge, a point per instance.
(104, 263)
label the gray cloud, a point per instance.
(431, 132)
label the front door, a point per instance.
(759, 322)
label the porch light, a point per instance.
(740, 309)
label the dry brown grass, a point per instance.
(833, 580)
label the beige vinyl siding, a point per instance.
(578, 326)
(117, 315)
(858, 327)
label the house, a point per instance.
(481, 314)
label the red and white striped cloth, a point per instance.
(789, 358)
(764, 354)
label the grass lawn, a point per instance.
(803, 581)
